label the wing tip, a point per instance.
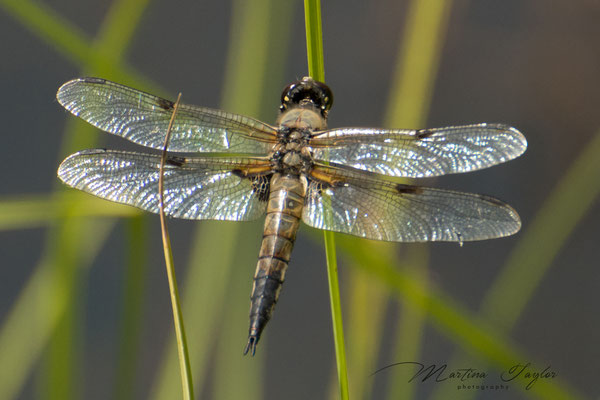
(519, 138)
(518, 141)
(513, 139)
(505, 227)
(63, 169)
(508, 217)
(62, 95)
(66, 164)
(509, 228)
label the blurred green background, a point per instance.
(84, 305)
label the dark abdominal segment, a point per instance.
(281, 224)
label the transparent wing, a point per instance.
(144, 118)
(420, 153)
(194, 188)
(364, 206)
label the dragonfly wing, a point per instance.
(194, 188)
(420, 153)
(359, 204)
(143, 119)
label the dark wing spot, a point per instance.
(239, 173)
(93, 80)
(93, 151)
(166, 105)
(175, 161)
(424, 133)
(409, 189)
(492, 200)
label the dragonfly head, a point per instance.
(307, 93)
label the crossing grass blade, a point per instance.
(182, 348)
(42, 210)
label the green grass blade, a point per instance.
(73, 43)
(40, 306)
(564, 208)
(576, 192)
(245, 79)
(118, 29)
(366, 308)
(51, 28)
(252, 57)
(60, 376)
(411, 92)
(70, 41)
(314, 39)
(336, 314)
(417, 64)
(451, 319)
(233, 331)
(185, 369)
(411, 322)
(134, 289)
(35, 211)
(316, 69)
(205, 286)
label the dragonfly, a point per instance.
(225, 166)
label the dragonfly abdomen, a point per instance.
(284, 210)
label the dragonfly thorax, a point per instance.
(302, 118)
(291, 155)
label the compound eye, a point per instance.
(326, 95)
(307, 90)
(286, 95)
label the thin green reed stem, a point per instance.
(182, 348)
(314, 39)
(256, 45)
(316, 69)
